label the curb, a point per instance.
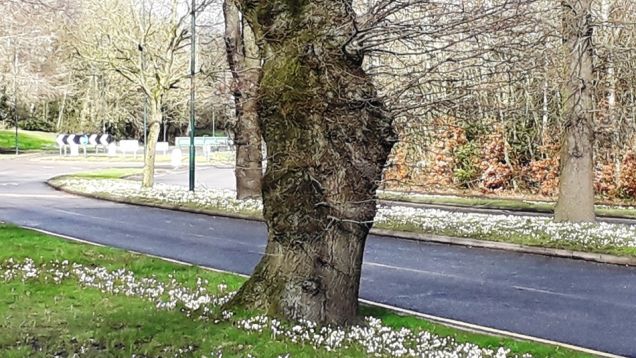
(465, 326)
(404, 235)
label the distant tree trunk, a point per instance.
(60, 114)
(576, 188)
(244, 60)
(154, 127)
(545, 114)
(328, 137)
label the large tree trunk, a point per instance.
(154, 127)
(244, 60)
(328, 137)
(576, 187)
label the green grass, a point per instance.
(111, 173)
(498, 203)
(27, 140)
(41, 319)
(468, 201)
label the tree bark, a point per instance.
(60, 114)
(244, 60)
(154, 127)
(576, 181)
(328, 137)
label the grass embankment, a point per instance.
(39, 317)
(511, 204)
(27, 140)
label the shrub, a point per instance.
(604, 180)
(466, 169)
(496, 171)
(627, 178)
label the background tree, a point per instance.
(244, 62)
(145, 43)
(491, 123)
(29, 70)
(576, 188)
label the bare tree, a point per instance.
(145, 43)
(29, 67)
(576, 188)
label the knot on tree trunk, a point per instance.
(304, 300)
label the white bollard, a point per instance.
(175, 158)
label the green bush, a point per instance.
(466, 170)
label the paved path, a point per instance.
(576, 302)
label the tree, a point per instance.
(29, 67)
(143, 42)
(244, 62)
(576, 186)
(328, 137)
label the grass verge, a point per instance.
(111, 173)
(27, 140)
(40, 318)
(543, 240)
(510, 204)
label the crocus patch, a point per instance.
(199, 303)
(431, 221)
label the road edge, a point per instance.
(466, 326)
(403, 235)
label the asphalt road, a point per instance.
(586, 304)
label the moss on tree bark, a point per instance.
(328, 138)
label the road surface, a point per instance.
(581, 303)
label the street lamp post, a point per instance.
(192, 108)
